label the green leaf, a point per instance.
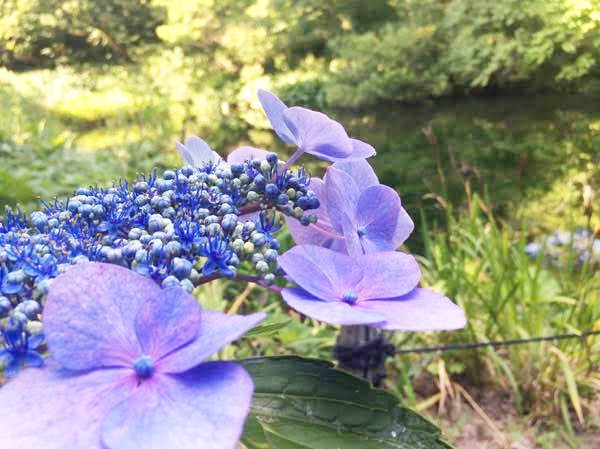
(267, 329)
(307, 404)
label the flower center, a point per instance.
(144, 367)
(361, 231)
(350, 297)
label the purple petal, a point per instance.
(404, 227)
(360, 171)
(321, 233)
(197, 153)
(377, 213)
(246, 153)
(217, 329)
(332, 312)
(43, 408)
(274, 108)
(386, 275)
(166, 321)
(361, 150)
(420, 310)
(204, 408)
(341, 198)
(322, 272)
(89, 315)
(317, 134)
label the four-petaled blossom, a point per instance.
(357, 214)
(376, 289)
(311, 131)
(128, 370)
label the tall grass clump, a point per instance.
(481, 262)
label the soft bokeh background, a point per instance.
(486, 118)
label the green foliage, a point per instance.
(305, 404)
(440, 48)
(44, 32)
(481, 263)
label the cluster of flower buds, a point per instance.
(557, 249)
(181, 228)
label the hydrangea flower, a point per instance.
(197, 153)
(356, 214)
(311, 131)
(377, 289)
(128, 370)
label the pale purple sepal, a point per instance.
(246, 153)
(317, 134)
(167, 321)
(216, 330)
(311, 131)
(274, 108)
(44, 408)
(328, 274)
(421, 310)
(332, 312)
(360, 171)
(204, 408)
(361, 150)
(89, 316)
(197, 153)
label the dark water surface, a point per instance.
(509, 146)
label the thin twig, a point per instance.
(240, 299)
(498, 343)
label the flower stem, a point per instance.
(362, 351)
(248, 278)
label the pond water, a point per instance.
(510, 147)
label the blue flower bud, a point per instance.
(271, 191)
(282, 199)
(29, 308)
(5, 305)
(229, 222)
(271, 255)
(168, 174)
(140, 187)
(39, 220)
(237, 169)
(173, 248)
(181, 267)
(272, 158)
(260, 182)
(170, 282)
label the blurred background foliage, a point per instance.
(464, 100)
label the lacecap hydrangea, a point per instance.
(184, 227)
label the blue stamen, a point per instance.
(144, 367)
(350, 297)
(361, 231)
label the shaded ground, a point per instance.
(498, 426)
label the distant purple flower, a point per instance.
(197, 153)
(356, 214)
(532, 249)
(312, 132)
(127, 370)
(377, 289)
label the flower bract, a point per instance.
(128, 369)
